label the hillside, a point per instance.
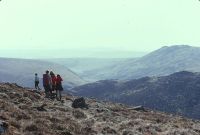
(164, 61)
(22, 71)
(25, 112)
(177, 93)
(85, 66)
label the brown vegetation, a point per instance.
(29, 113)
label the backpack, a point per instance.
(45, 79)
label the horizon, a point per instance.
(23, 55)
(99, 29)
(59, 53)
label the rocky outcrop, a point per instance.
(19, 109)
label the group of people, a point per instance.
(51, 82)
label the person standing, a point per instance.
(47, 83)
(53, 77)
(37, 81)
(59, 87)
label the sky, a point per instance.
(95, 28)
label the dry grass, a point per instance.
(19, 108)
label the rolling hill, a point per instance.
(177, 93)
(83, 66)
(21, 71)
(163, 61)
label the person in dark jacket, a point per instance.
(37, 81)
(47, 83)
(59, 87)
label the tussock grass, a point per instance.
(18, 107)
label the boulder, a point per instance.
(79, 103)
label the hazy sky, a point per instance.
(75, 28)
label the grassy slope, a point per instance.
(19, 109)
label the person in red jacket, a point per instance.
(53, 78)
(59, 87)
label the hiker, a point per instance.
(47, 83)
(37, 81)
(53, 78)
(59, 87)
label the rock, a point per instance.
(4, 96)
(79, 103)
(41, 108)
(65, 133)
(100, 110)
(138, 108)
(31, 128)
(127, 132)
(68, 98)
(108, 130)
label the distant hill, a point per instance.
(86, 66)
(25, 112)
(22, 71)
(163, 61)
(177, 93)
